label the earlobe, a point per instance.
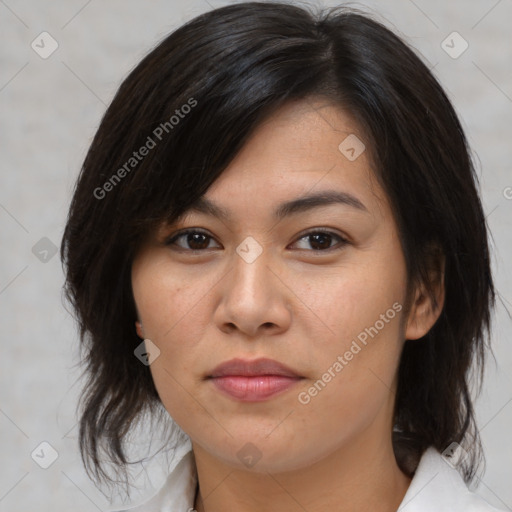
(139, 329)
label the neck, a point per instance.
(361, 476)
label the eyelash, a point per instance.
(318, 231)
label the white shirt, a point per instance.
(435, 487)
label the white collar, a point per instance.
(435, 487)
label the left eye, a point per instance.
(321, 240)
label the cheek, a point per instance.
(356, 361)
(171, 307)
(172, 322)
(355, 370)
(170, 303)
(351, 301)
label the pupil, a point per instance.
(195, 238)
(323, 239)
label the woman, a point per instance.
(276, 241)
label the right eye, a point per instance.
(191, 240)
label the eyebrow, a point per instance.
(299, 205)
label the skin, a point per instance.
(294, 304)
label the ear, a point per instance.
(138, 328)
(426, 307)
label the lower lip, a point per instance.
(254, 389)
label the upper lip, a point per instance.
(254, 368)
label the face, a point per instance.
(319, 288)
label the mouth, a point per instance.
(253, 381)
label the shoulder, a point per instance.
(437, 486)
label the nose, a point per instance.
(254, 300)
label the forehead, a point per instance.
(303, 148)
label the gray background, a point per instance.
(50, 109)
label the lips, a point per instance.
(253, 381)
(255, 368)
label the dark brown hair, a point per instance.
(198, 95)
